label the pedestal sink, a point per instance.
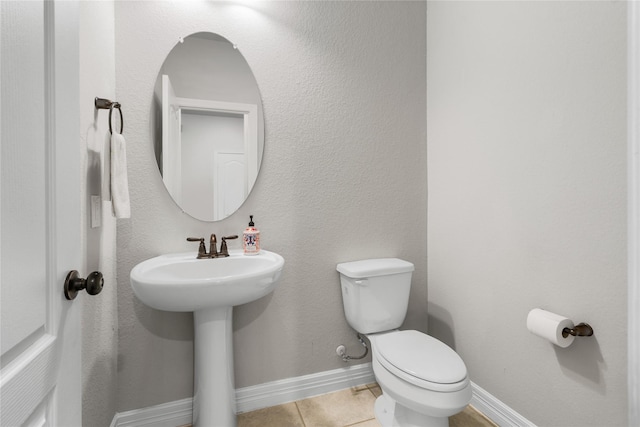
(210, 288)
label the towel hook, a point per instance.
(105, 104)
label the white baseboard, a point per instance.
(273, 393)
(179, 412)
(496, 410)
(171, 414)
(292, 389)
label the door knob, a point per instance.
(73, 284)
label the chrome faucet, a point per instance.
(213, 250)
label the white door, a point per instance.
(171, 140)
(40, 234)
(230, 183)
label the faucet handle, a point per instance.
(224, 251)
(202, 250)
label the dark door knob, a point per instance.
(73, 284)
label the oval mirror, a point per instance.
(209, 127)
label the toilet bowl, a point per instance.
(423, 380)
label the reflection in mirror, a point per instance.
(209, 128)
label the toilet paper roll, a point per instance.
(549, 326)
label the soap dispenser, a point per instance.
(251, 239)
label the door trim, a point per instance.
(633, 176)
(250, 115)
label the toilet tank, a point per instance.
(375, 293)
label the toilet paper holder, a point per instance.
(579, 330)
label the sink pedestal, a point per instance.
(214, 399)
(210, 288)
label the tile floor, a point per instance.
(350, 407)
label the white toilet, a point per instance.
(423, 380)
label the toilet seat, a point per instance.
(421, 360)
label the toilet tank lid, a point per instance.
(374, 267)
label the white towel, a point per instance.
(119, 181)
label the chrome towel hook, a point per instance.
(105, 104)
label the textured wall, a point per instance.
(343, 177)
(527, 199)
(100, 318)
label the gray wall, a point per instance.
(343, 178)
(527, 199)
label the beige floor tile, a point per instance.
(361, 387)
(351, 407)
(286, 415)
(376, 390)
(338, 409)
(368, 423)
(470, 418)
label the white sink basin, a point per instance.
(180, 282)
(210, 288)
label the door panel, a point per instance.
(230, 182)
(39, 213)
(23, 304)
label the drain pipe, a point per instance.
(342, 351)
